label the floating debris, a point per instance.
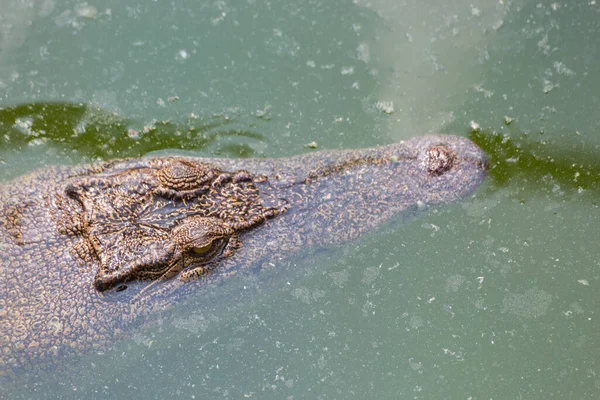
(363, 53)
(347, 70)
(87, 11)
(183, 54)
(24, 125)
(475, 127)
(562, 69)
(549, 86)
(264, 113)
(132, 133)
(486, 93)
(385, 106)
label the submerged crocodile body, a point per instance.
(87, 251)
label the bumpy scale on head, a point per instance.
(181, 175)
(141, 223)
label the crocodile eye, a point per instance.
(439, 159)
(202, 237)
(203, 249)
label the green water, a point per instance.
(492, 298)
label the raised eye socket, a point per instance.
(203, 249)
(184, 175)
(439, 159)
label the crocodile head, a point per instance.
(156, 218)
(155, 221)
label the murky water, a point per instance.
(492, 298)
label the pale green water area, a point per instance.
(492, 298)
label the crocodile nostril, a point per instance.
(120, 288)
(439, 159)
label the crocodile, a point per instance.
(89, 251)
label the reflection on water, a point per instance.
(523, 159)
(434, 53)
(16, 16)
(92, 133)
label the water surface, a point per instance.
(495, 297)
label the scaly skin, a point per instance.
(58, 240)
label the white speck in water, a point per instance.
(476, 12)
(183, 54)
(543, 44)
(24, 125)
(576, 307)
(217, 20)
(363, 53)
(347, 70)
(548, 86)
(431, 227)
(385, 106)
(79, 128)
(87, 11)
(458, 355)
(562, 69)
(584, 282)
(37, 141)
(134, 134)
(486, 93)
(394, 266)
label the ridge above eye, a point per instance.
(185, 175)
